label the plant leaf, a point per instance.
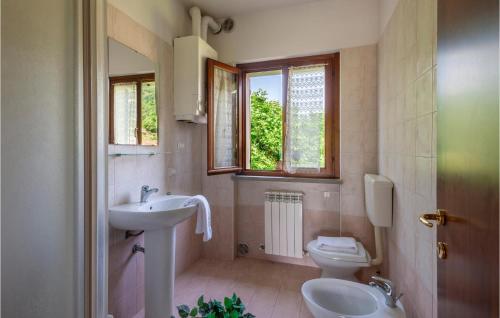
(228, 303)
(193, 312)
(200, 301)
(235, 314)
(183, 311)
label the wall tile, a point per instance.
(410, 25)
(409, 173)
(127, 174)
(425, 92)
(425, 34)
(423, 180)
(424, 263)
(434, 134)
(411, 101)
(351, 204)
(411, 261)
(424, 136)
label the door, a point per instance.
(467, 169)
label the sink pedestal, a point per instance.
(160, 272)
(158, 219)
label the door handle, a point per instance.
(439, 217)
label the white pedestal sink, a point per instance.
(158, 219)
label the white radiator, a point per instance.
(283, 224)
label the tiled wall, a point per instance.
(175, 169)
(220, 192)
(407, 148)
(341, 211)
(358, 138)
(321, 214)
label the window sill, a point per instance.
(240, 177)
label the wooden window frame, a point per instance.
(332, 114)
(211, 169)
(138, 79)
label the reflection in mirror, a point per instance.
(133, 115)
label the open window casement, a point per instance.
(274, 118)
(224, 118)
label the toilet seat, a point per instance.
(362, 259)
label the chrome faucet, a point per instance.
(146, 191)
(386, 287)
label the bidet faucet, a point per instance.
(386, 287)
(146, 191)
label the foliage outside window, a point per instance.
(266, 132)
(149, 114)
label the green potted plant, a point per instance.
(231, 308)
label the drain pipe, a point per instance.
(207, 22)
(195, 14)
(378, 246)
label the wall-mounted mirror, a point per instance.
(133, 111)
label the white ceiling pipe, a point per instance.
(207, 22)
(195, 14)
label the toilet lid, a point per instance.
(361, 257)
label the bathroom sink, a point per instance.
(157, 218)
(163, 211)
(336, 298)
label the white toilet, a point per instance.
(378, 202)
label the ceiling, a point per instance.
(228, 8)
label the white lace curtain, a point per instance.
(125, 113)
(305, 118)
(225, 112)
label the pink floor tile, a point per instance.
(268, 289)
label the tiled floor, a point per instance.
(267, 289)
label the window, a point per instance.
(132, 110)
(283, 120)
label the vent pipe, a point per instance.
(200, 25)
(195, 14)
(207, 22)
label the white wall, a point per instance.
(306, 29)
(125, 61)
(165, 18)
(38, 146)
(176, 168)
(387, 8)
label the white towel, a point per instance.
(203, 217)
(338, 244)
